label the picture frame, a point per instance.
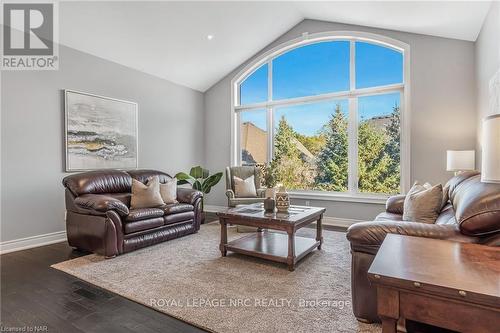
(100, 132)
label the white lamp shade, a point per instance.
(490, 167)
(460, 160)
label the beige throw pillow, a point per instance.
(168, 191)
(146, 196)
(244, 188)
(423, 203)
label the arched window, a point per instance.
(328, 113)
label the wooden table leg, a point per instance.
(388, 308)
(389, 325)
(319, 231)
(291, 251)
(223, 237)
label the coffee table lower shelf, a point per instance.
(273, 246)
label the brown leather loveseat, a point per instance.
(99, 218)
(472, 214)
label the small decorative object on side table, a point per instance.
(282, 199)
(269, 205)
(270, 202)
(437, 282)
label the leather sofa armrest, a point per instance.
(395, 204)
(368, 236)
(230, 194)
(101, 204)
(188, 195)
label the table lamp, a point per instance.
(460, 160)
(490, 167)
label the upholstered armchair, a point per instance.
(243, 172)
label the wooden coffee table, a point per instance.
(284, 246)
(441, 283)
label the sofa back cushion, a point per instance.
(452, 184)
(477, 206)
(144, 175)
(98, 181)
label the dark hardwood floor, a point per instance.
(37, 296)
(47, 300)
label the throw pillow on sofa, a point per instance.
(146, 195)
(423, 203)
(168, 191)
(244, 188)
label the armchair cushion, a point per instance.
(245, 188)
(101, 204)
(188, 195)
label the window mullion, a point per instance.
(353, 146)
(353, 125)
(270, 134)
(238, 139)
(352, 66)
(269, 80)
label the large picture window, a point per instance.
(327, 116)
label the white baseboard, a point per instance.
(33, 241)
(213, 208)
(327, 220)
(339, 221)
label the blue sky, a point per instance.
(321, 68)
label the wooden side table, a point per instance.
(442, 283)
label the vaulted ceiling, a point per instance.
(170, 39)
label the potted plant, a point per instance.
(199, 179)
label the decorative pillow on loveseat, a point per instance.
(168, 191)
(146, 195)
(423, 203)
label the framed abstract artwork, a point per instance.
(100, 132)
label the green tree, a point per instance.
(333, 159)
(374, 174)
(393, 147)
(313, 143)
(288, 166)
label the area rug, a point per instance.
(188, 279)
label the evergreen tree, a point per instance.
(333, 159)
(283, 141)
(374, 173)
(288, 166)
(393, 147)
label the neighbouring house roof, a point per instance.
(254, 141)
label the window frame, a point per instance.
(351, 95)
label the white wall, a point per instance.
(442, 109)
(170, 133)
(487, 64)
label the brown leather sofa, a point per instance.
(99, 218)
(471, 214)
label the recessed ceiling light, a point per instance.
(210, 37)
